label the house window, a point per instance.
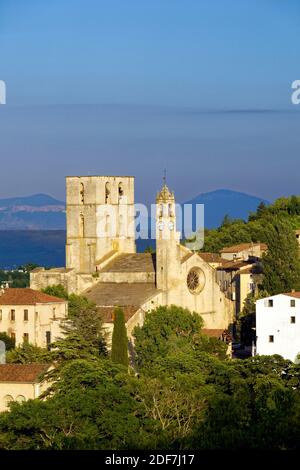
(26, 338)
(13, 336)
(293, 320)
(0, 315)
(270, 303)
(26, 315)
(20, 398)
(271, 339)
(293, 303)
(54, 312)
(12, 315)
(48, 339)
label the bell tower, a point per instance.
(100, 219)
(167, 242)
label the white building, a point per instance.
(278, 325)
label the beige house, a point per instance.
(102, 263)
(20, 382)
(31, 316)
(237, 279)
(244, 251)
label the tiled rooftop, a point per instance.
(22, 372)
(24, 296)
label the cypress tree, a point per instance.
(281, 264)
(119, 351)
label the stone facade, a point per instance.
(102, 263)
(100, 218)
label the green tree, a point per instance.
(82, 338)
(119, 350)
(294, 206)
(149, 249)
(27, 354)
(281, 264)
(163, 328)
(57, 290)
(92, 407)
(9, 342)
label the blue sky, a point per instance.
(200, 87)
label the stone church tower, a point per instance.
(100, 219)
(167, 242)
(102, 263)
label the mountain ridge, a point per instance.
(43, 212)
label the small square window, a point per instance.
(26, 338)
(293, 319)
(271, 339)
(293, 303)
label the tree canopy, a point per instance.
(183, 393)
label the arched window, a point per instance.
(7, 400)
(161, 210)
(82, 192)
(121, 190)
(170, 209)
(107, 193)
(20, 398)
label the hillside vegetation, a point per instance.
(258, 226)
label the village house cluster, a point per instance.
(108, 271)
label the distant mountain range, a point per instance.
(43, 212)
(32, 228)
(37, 212)
(223, 201)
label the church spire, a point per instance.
(165, 195)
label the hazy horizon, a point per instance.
(202, 89)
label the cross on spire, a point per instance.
(165, 177)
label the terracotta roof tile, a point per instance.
(22, 372)
(111, 294)
(293, 294)
(215, 333)
(234, 265)
(211, 257)
(223, 335)
(107, 313)
(24, 296)
(243, 246)
(131, 263)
